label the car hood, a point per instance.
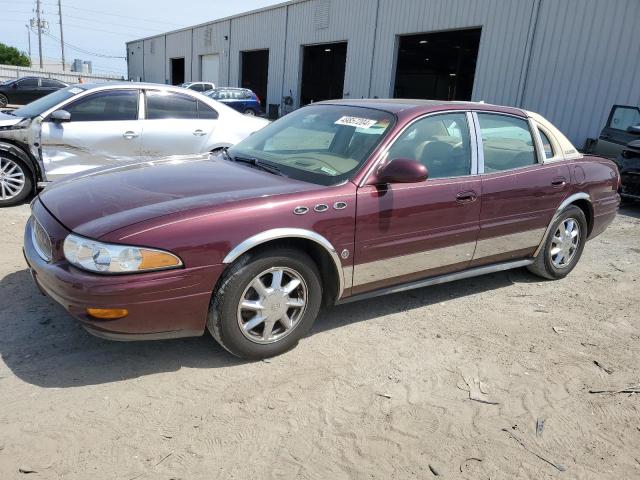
(105, 200)
(6, 120)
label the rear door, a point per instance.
(615, 135)
(520, 193)
(104, 130)
(176, 124)
(405, 232)
(49, 85)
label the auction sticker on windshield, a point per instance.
(356, 122)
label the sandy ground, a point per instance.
(376, 391)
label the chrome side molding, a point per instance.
(450, 277)
(282, 233)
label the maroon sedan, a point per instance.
(335, 202)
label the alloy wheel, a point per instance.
(12, 179)
(3, 101)
(272, 305)
(565, 242)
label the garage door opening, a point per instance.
(210, 68)
(439, 66)
(323, 72)
(254, 73)
(177, 71)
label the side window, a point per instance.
(440, 142)
(207, 86)
(110, 105)
(546, 145)
(49, 82)
(28, 83)
(247, 95)
(206, 112)
(624, 117)
(162, 105)
(506, 142)
(198, 87)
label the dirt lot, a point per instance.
(376, 391)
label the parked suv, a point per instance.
(623, 126)
(27, 89)
(240, 99)
(87, 126)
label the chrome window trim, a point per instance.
(555, 145)
(382, 155)
(534, 137)
(279, 233)
(565, 203)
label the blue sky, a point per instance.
(104, 27)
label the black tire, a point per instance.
(544, 265)
(27, 186)
(4, 101)
(223, 321)
(250, 111)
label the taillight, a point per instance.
(257, 98)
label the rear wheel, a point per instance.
(15, 181)
(250, 112)
(265, 303)
(563, 246)
(4, 101)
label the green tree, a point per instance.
(13, 56)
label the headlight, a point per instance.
(110, 258)
(22, 124)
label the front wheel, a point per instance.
(15, 181)
(563, 245)
(265, 303)
(4, 101)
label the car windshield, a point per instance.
(323, 144)
(43, 104)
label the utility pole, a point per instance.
(29, 39)
(39, 33)
(61, 34)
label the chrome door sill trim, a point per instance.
(450, 277)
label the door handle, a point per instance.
(129, 134)
(558, 182)
(199, 133)
(466, 197)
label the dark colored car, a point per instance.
(337, 201)
(623, 126)
(27, 89)
(629, 166)
(240, 99)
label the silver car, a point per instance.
(88, 126)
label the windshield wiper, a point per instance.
(267, 167)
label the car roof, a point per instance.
(408, 105)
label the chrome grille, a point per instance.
(41, 240)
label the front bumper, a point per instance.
(167, 304)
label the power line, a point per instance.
(67, 6)
(82, 50)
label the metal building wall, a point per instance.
(179, 45)
(504, 23)
(210, 39)
(348, 20)
(154, 59)
(135, 60)
(585, 58)
(257, 31)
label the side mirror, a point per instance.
(635, 129)
(401, 170)
(60, 116)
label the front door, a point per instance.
(104, 130)
(409, 231)
(615, 135)
(519, 193)
(25, 91)
(176, 124)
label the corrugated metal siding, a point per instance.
(135, 60)
(154, 60)
(501, 55)
(179, 45)
(349, 20)
(584, 59)
(259, 31)
(209, 39)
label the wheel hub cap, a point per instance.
(272, 305)
(11, 179)
(565, 243)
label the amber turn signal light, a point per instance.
(107, 313)
(153, 260)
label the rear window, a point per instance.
(163, 105)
